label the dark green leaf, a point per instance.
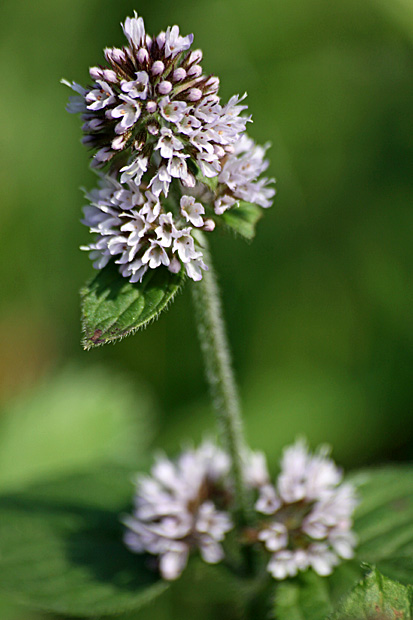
(376, 598)
(61, 547)
(113, 308)
(304, 598)
(384, 521)
(311, 597)
(243, 219)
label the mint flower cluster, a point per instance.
(172, 157)
(180, 507)
(308, 514)
(302, 521)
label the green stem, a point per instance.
(220, 376)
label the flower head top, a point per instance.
(175, 156)
(308, 514)
(182, 506)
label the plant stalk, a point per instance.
(220, 376)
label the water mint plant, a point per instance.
(173, 163)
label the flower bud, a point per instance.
(194, 94)
(195, 57)
(164, 88)
(179, 75)
(208, 226)
(151, 106)
(143, 56)
(114, 54)
(158, 67)
(195, 71)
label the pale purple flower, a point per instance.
(174, 43)
(100, 97)
(160, 182)
(184, 246)
(166, 230)
(155, 255)
(137, 88)
(128, 111)
(134, 30)
(134, 171)
(192, 211)
(168, 144)
(194, 268)
(172, 111)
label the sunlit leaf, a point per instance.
(112, 307)
(376, 598)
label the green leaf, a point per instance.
(376, 598)
(305, 598)
(73, 420)
(243, 219)
(61, 547)
(113, 308)
(384, 521)
(211, 183)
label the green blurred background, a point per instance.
(318, 306)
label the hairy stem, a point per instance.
(220, 376)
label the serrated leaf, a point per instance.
(243, 219)
(112, 307)
(73, 420)
(61, 548)
(376, 598)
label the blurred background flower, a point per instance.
(318, 307)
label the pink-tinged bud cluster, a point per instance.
(157, 127)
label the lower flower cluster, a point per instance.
(182, 506)
(302, 521)
(309, 515)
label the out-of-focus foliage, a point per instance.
(79, 418)
(318, 306)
